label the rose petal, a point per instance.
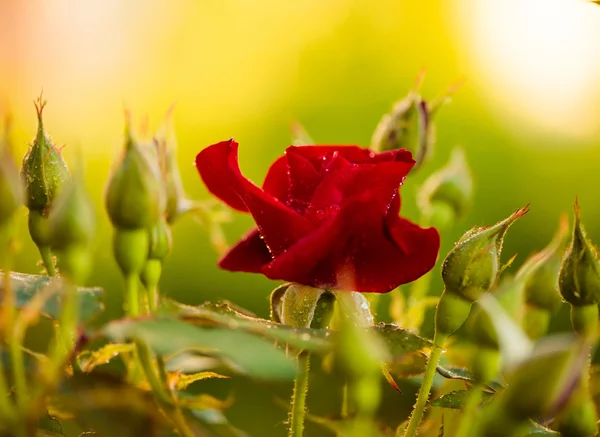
(308, 261)
(304, 179)
(381, 258)
(277, 181)
(213, 165)
(279, 225)
(248, 255)
(376, 184)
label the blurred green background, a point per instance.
(528, 113)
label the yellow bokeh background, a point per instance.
(527, 114)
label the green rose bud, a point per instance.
(579, 277)
(72, 223)
(11, 188)
(579, 280)
(135, 196)
(538, 386)
(472, 267)
(72, 220)
(407, 126)
(446, 195)
(44, 170)
(166, 145)
(539, 275)
(469, 270)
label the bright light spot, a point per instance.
(539, 59)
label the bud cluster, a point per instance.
(470, 269)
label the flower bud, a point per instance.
(72, 223)
(469, 270)
(166, 145)
(44, 170)
(446, 195)
(72, 220)
(408, 127)
(11, 187)
(161, 241)
(472, 267)
(135, 196)
(540, 272)
(537, 387)
(579, 277)
(539, 275)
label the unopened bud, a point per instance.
(72, 219)
(44, 170)
(166, 144)
(72, 223)
(579, 277)
(11, 187)
(538, 386)
(408, 127)
(469, 270)
(472, 266)
(446, 195)
(135, 196)
(539, 275)
(540, 272)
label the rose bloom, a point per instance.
(326, 216)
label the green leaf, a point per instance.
(536, 430)
(401, 341)
(49, 426)
(216, 422)
(224, 315)
(464, 375)
(26, 287)
(109, 406)
(456, 399)
(241, 351)
(89, 360)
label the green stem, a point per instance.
(298, 406)
(46, 255)
(133, 295)
(145, 357)
(345, 406)
(469, 410)
(163, 396)
(424, 391)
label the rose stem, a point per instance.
(46, 255)
(298, 407)
(424, 390)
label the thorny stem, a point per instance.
(298, 406)
(423, 396)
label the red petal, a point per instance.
(373, 185)
(214, 168)
(308, 261)
(380, 260)
(279, 225)
(277, 181)
(249, 255)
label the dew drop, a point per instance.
(305, 336)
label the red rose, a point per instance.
(326, 216)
